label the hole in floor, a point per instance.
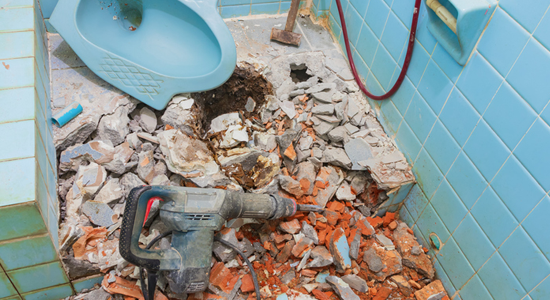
(232, 96)
(298, 73)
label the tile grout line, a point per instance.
(11, 281)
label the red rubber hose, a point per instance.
(405, 64)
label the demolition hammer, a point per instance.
(192, 216)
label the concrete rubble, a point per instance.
(315, 140)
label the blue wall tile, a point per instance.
(404, 10)
(466, 180)
(435, 87)
(475, 289)
(17, 181)
(16, 19)
(442, 275)
(530, 73)
(359, 5)
(353, 23)
(494, 217)
(519, 201)
(402, 98)
(442, 147)
(367, 44)
(542, 291)
(16, 73)
(38, 277)
(235, 11)
(473, 242)
(500, 280)
(503, 41)
(534, 224)
(460, 125)
(429, 175)
(419, 61)
(455, 263)
(407, 141)
(24, 110)
(429, 222)
(15, 3)
(265, 8)
(395, 36)
(376, 17)
(16, 44)
(486, 150)
(461, 96)
(383, 66)
(415, 202)
(531, 151)
(479, 82)
(420, 117)
(447, 63)
(527, 12)
(520, 251)
(509, 115)
(448, 206)
(542, 34)
(20, 136)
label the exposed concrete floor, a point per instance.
(72, 81)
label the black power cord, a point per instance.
(254, 276)
(152, 277)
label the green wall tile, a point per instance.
(87, 283)
(20, 220)
(6, 288)
(58, 292)
(38, 277)
(26, 252)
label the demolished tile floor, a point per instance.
(312, 137)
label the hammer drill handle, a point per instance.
(132, 223)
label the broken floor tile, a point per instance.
(342, 289)
(100, 214)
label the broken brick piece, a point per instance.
(431, 291)
(291, 227)
(375, 222)
(219, 275)
(121, 286)
(320, 295)
(388, 218)
(247, 284)
(382, 294)
(290, 152)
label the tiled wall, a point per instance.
(29, 264)
(477, 136)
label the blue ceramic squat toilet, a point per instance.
(150, 49)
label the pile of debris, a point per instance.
(294, 128)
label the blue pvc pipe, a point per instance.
(68, 113)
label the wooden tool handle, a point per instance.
(292, 13)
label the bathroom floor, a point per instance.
(359, 204)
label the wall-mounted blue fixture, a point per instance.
(457, 24)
